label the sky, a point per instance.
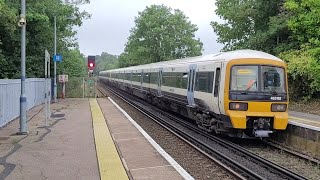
(111, 20)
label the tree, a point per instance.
(253, 24)
(74, 64)
(39, 35)
(106, 61)
(288, 29)
(160, 34)
(304, 60)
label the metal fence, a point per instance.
(10, 90)
(78, 87)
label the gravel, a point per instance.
(284, 159)
(194, 162)
(199, 166)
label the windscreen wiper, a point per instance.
(246, 91)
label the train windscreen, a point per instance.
(254, 78)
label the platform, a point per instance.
(85, 139)
(304, 119)
(63, 150)
(142, 156)
(302, 133)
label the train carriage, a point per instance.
(241, 93)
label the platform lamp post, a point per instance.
(55, 63)
(23, 98)
(55, 53)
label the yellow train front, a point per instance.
(256, 96)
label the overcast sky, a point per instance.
(111, 21)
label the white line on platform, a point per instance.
(305, 126)
(173, 163)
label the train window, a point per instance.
(210, 81)
(135, 77)
(184, 81)
(146, 77)
(273, 79)
(244, 78)
(179, 79)
(169, 79)
(204, 81)
(153, 78)
(217, 82)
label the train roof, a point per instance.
(223, 56)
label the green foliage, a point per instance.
(253, 24)
(39, 36)
(304, 71)
(73, 64)
(305, 21)
(288, 29)
(106, 61)
(160, 34)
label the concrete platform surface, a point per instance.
(305, 118)
(63, 150)
(139, 152)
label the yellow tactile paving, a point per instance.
(110, 165)
(302, 120)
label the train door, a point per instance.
(191, 83)
(131, 74)
(160, 81)
(216, 89)
(141, 79)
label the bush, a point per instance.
(304, 72)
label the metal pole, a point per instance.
(49, 89)
(83, 87)
(46, 89)
(55, 63)
(23, 97)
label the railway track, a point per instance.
(280, 147)
(237, 160)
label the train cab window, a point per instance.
(273, 79)
(244, 78)
(217, 83)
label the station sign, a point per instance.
(57, 58)
(63, 78)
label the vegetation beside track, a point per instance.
(311, 106)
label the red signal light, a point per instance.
(91, 62)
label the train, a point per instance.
(241, 93)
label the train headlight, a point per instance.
(238, 106)
(278, 107)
